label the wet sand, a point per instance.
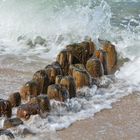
(122, 122)
(11, 80)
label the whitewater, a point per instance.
(61, 23)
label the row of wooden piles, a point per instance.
(76, 66)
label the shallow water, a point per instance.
(61, 23)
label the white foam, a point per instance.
(64, 116)
(130, 72)
(59, 26)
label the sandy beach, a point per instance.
(122, 122)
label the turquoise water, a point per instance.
(61, 22)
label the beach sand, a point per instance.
(122, 122)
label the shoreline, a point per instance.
(119, 123)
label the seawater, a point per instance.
(61, 22)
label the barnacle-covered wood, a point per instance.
(58, 92)
(29, 90)
(43, 80)
(94, 67)
(52, 71)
